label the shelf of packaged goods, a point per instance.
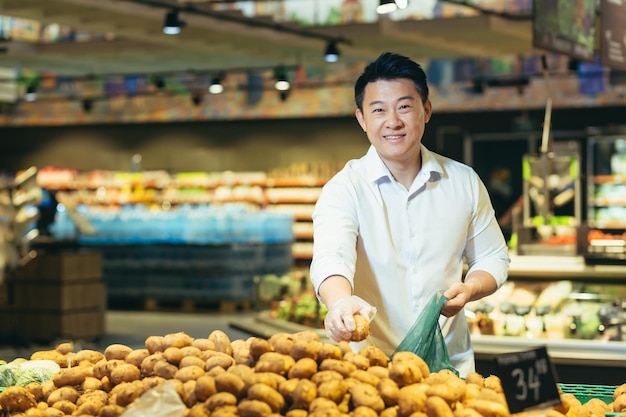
(615, 249)
(119, 183)
(606, 202)
(607, 224)
(105, 199)
(186, 200)
(152, 179)
(563, 351)
(300, 212)
(244, 200)
(290, 190)
(240, 182)
(303, 230)
(292, 195)
(609, 179)
(606, 246)
(602, 238)
(554, 268)
(296, 182)
(302, 250)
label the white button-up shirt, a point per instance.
(397, 248)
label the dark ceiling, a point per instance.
(215, 40)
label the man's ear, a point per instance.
(428, 111)
(360, 119)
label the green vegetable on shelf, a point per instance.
(24, 373)
(303, 308)
(7, 375)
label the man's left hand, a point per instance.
(458, 295)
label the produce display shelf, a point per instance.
(264, 325)
(562, 351)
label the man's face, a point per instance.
(393, 118)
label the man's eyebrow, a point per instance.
(377, 102)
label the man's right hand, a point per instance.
(339, 321)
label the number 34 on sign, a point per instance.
(528, 380)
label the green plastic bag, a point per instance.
(425, 338)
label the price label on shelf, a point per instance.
(528, 380)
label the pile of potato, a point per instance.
(293, 375)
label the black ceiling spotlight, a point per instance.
(386, 7)
(31, 92)
(87, 105)
(332, 52)
(4, 41)
(159, 82)
(172, 24)
(280, 75)
(196, 98)
(477, 86)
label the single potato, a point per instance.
(362, 329)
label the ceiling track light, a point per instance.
(281, 84)
(196, 99)
(332, 52)
(216, 86)
(226, 16)
(172, 24)
(87, 105)
(386, 7)
(158, 81)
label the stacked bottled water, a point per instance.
(190, 224)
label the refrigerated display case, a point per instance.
(606, 197)
(552, 209)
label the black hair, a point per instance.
(390, 66)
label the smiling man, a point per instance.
(392, 228)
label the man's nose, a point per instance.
(393, 120)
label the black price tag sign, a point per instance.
(528, 380)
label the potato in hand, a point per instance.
(362, 329)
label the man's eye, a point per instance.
(377, 110)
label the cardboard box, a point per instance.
(62, 266)
(63, 296)
(58, 295)
(20, 325)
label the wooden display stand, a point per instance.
(59, 294)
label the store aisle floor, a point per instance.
(133, 327)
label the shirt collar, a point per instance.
(377, 170)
